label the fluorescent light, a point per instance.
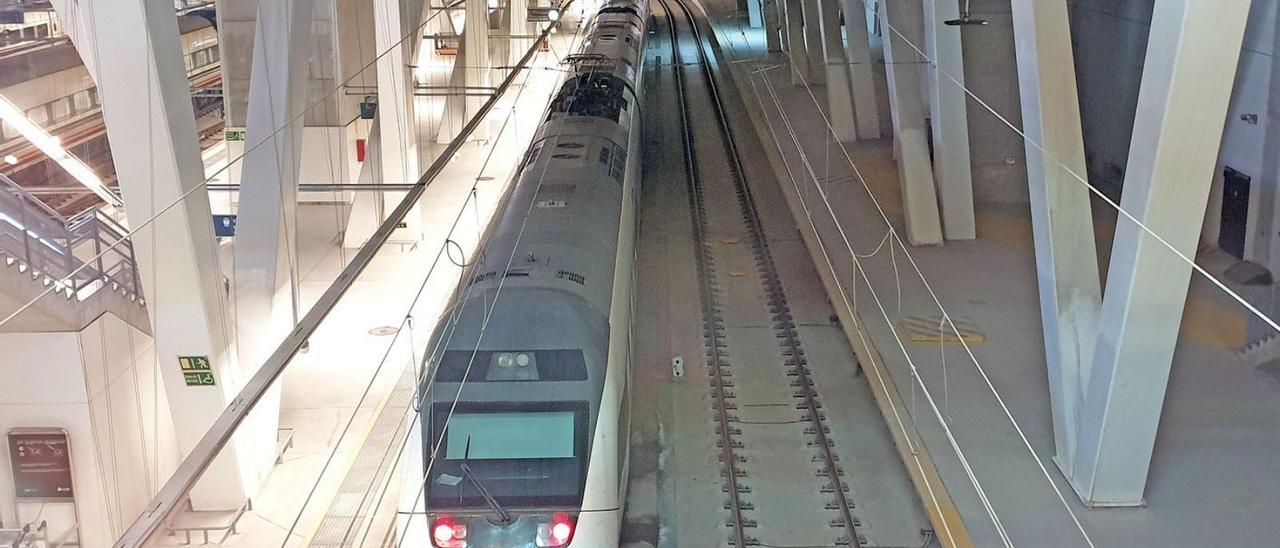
(52, 148)
(11, 159)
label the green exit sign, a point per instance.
(196, 370)
(235, 134)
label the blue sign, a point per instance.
(224, 226)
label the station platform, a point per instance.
(335, 392)
(1215, 449)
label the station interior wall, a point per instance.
(100, 385)
(1110, 39)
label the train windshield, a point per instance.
(525, 456)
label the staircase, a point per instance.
(74, 256)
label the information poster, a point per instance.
(41, 462)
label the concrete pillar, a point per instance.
(266, 276)
(796, 51)
(517, 23)
(397, 162)
(911, 147)
(475, 32)
(133, 51)
(811, 12)
(950, 121)
(858, 53)
(1186, 87)
(1061, 220)
(839, 99)
(772, 25)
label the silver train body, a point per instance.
(527, 402)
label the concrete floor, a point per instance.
(333, 393)
(1213, 480)
(676, 480)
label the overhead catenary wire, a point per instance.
(110, 248)
(1082, 180)
(205, 450)
(488, 315)
(406, 321)
(947, 317)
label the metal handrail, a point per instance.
(43, 243)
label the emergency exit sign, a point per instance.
(196, 370)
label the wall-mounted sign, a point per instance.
(196, 370)
(234, 134)
(41, 464)
(224, 226)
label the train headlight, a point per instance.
(522, 359)
(506, 359)
(558, 533)
(448, 533)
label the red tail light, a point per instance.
(448, 533)
(558, 533)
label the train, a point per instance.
(524, 413)
(48, 81)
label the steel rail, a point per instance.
(203, 453)
(709, 295)
(773, 287)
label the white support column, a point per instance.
(134, 47)
(772, 25)
(796, 51)
(950, 119)
(858, 44)
(813, 40)
(839, 99)
(911, 147)
(517, 23)
(266, 277)
(1061, 220)
(398, 161)
(1187, 80)
(475, 32)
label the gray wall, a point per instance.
(1110, 39)
(997, 154)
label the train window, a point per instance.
(38, 115)
(569, 145)
(526, 454)
(189, 61)
(60, 109)
(82, 100)
(604, 155)
(619, 164)
(533, 155)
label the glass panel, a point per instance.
(511, 436)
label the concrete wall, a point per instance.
(1110, 38)
(997, 154)
(100, 386)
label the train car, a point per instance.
(524, 413)
(49, 83)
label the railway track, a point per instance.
(791, 497)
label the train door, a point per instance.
(1235, 212)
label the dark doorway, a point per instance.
(1235, 212)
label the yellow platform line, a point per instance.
(932, 330)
